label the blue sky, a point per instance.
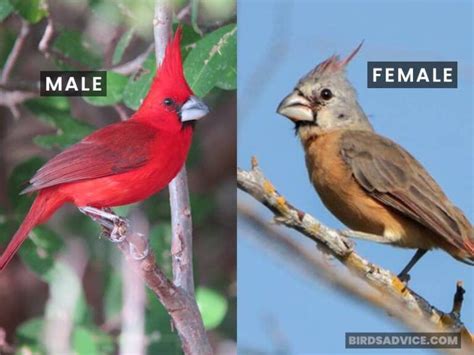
(279, 42)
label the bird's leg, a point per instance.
(403, 276)
(115, 226)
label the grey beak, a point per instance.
(296, 108)
(193, 109)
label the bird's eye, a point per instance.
(326, 94)
(168, 102)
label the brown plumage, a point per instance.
(367, 181)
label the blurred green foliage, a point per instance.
(31, 10)
(210, 67)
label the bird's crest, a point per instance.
(334, 64)
(171, 69)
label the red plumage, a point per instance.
(122, 163)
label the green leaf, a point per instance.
(138, 85)
(30, 332)
(190, 37)
(83, 342)
(91, 341)
(39, 250)
(212, 305)
(115, 85)
(212, 62)
(31, 10)
(122, 46)
(69, 130)
(5, 9)
(72, 45)
(18, 180)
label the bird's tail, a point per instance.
(43, 207)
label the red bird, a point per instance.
(122, 163)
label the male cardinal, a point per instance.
(124, 162)
(369, 182)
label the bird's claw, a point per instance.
(119, 231)
(404, 277)
(114, 227)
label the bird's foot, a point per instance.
(119, 231)
(114, 227)
(139, 254)
(404, 277)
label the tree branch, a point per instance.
(180, 304)
(176, 296)
(15, 52)
(337, 245)
(134, 64)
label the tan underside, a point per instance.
(347, 200)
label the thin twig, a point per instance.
(15, 52)
(12, 99)
(185, 11)
(47, 37)
(121, 112)
(44, 47)
(133, 65)
(333, 243)
(5, 348)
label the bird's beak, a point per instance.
(193, 109)
(296, 108)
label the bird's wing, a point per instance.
(111, 150)
(395, 178)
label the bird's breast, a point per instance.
(347, 200)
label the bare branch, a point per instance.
(180, 305)
(133, 65)
(45, 41)
(185, 11)
(5, 348)
(15, 52)
(12, 99)
(335, 244)
(121, 112)
(181, 243)
(44, 47)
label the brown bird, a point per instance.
(367, 181)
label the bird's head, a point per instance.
(170, 103)
(324, 99)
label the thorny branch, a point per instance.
(417, 312)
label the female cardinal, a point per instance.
(369, 182)
(125, 162)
